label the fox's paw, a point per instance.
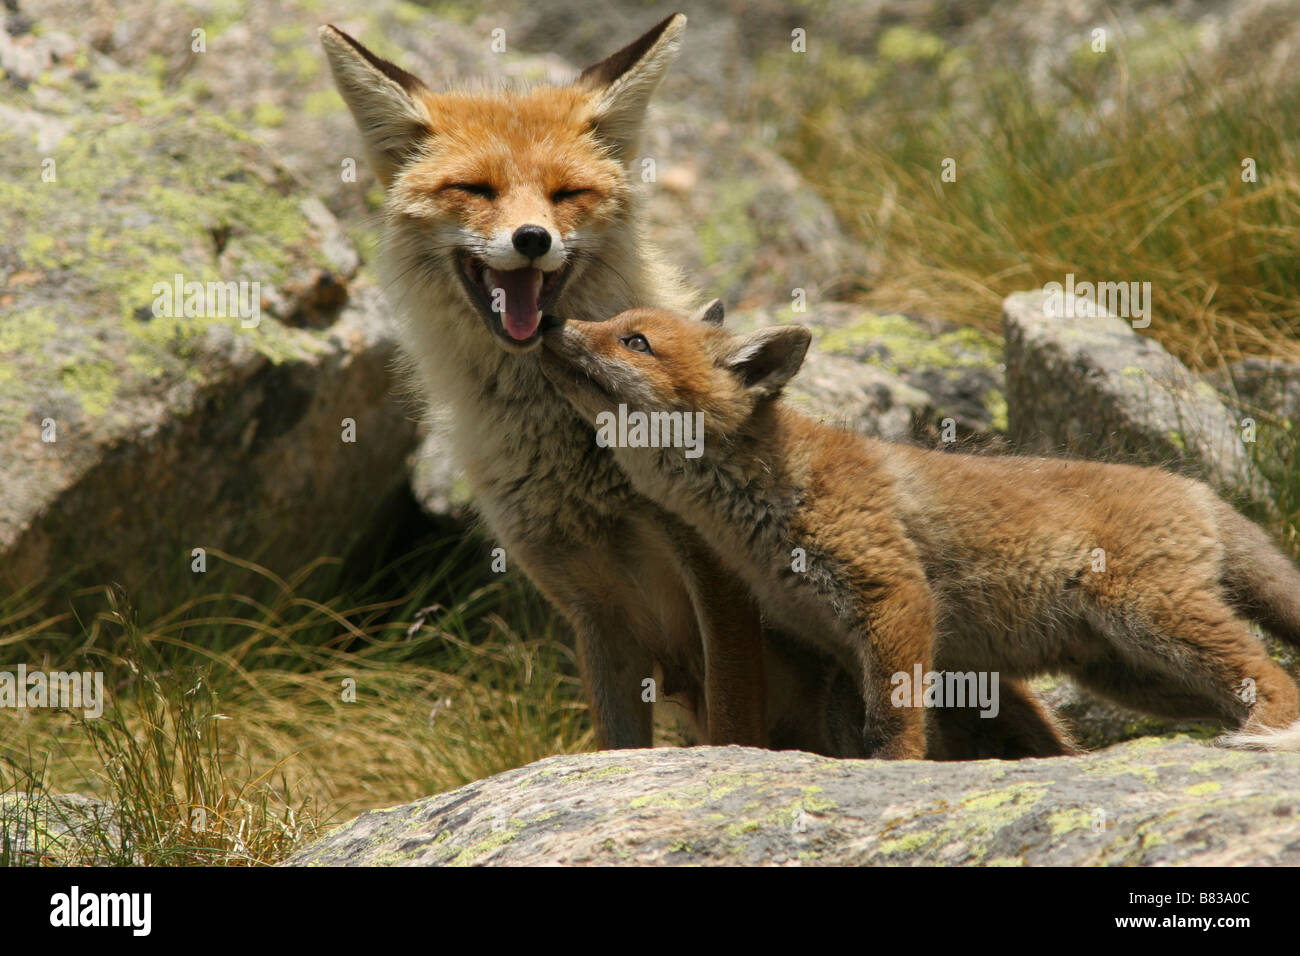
(899, 745)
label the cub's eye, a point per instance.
(562, 195)
(637, 343)
(474, 189)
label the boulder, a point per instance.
(1091, 386)
(737, 219)
(1263, 385)
(923, 374)
(1149, 802)
(727, 209)
(262, 69)
(438, 483)
(137, 424)
(722, 203)
(1094, 722)
(55, 829)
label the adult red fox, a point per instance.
(912, 563)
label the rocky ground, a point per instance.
(1147, 802)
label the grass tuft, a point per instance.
(1101, 169)
(252, 716)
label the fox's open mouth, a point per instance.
(511, 301)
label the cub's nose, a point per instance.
(531, 241)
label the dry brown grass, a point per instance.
(1109, 173)
(238, 726)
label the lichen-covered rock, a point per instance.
(1090, 385)
(937, 374)
(135, 424)
(734, 215)
(1095, 722)
(261, 68)
(54, 829)
(738, 219)
(1270, 386)
(724, 206)
(438, 483)
(1147, 802)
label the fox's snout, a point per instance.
(531, 241)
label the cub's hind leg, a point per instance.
(1194, 658)
(1023, 727)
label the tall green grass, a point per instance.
(249, 717)
(1116, 167)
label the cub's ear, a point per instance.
(384, 99)
(622, 84)
(765, 360)
(711, 313)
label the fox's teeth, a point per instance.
(487, 280)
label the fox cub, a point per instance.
(904, 562)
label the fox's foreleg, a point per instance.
(595, 589)
(731, 631)
(893, 619)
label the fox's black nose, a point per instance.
(531, 241)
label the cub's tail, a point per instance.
(1284, 739)
(1262, 583)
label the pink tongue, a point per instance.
(521, 288)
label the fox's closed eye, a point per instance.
(561, 195)
(637, 343)
(473, 189)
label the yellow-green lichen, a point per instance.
(898, 344)
(908, 843)
(513, 827)
(1063, 821)
(905, 44)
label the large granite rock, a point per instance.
(1257, 385)
(727, 209)
(134, 429)
(722, 203)
(1090, 385)
(1148, 802)
(920, 374)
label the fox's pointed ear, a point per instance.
(765, 360)
(384, 100)
(712, 313)
(623, 83)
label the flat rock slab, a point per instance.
(1148, 802)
